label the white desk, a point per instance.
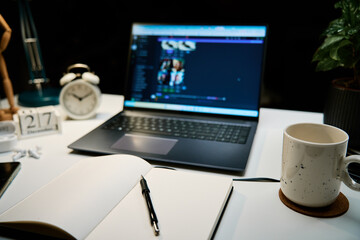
(254, 210)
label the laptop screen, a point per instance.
(196, 68)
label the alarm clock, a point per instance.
(80, 96)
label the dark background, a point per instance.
(97, 33)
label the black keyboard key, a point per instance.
(181, 128)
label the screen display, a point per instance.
(206, 69)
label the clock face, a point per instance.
(80, 99)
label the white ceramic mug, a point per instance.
(314, 163)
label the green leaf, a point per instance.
(334, 51)
(336, 27)
(331, 40)
(327, 64)
(320, 54)
(346, 56)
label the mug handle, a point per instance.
(345, 177)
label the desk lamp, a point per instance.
(40, 96)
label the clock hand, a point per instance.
(87, 95)
(76, 96)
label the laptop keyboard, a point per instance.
(181, 128)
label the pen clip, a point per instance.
(156, 228)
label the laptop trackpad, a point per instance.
(147, 144)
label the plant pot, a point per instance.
(342, 109)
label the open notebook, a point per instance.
(101, 198)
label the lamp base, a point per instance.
(49, 96)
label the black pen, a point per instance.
(153, 219)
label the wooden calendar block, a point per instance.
(29, 120)
(47, 116)
(37, 121)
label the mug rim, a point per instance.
(317, 143)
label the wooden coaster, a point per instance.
(338, 208)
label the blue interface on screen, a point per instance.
(204, 69)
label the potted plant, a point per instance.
(341, 48)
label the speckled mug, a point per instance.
(314, 163)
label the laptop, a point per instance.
(191, 97)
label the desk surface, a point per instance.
(254, 210)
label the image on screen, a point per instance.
(208, 69)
